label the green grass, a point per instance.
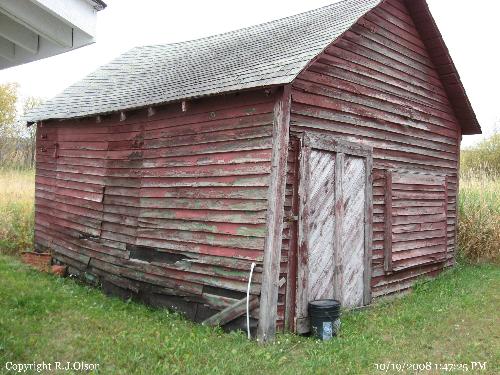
(453, 319)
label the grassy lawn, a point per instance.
(453, 319)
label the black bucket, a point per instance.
(324, 316)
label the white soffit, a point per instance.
(35, 29)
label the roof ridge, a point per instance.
(244, 28)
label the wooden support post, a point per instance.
(301, 325)
(457, 188)
(275, 212)
(367, 277)
(388, 223)
(445, 209)
(338, 251)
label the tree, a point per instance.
(8, 100)
(8, 113)
(17, 141)
(30, 103)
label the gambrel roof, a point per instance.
(269, 54)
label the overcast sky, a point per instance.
(470, 29)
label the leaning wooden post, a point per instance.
(275, 211)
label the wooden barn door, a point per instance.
(334, 224)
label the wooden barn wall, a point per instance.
(169, 205)
(378, 86)
(290, 228)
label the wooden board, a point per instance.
(351, 255)
(409, 228)
(275, 211)
(321, 225)
(334, 225)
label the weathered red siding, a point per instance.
(288, 249)
(187, 188)
(192, 185)
(378, 86)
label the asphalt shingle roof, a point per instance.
(269, 54)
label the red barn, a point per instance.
(324, 147)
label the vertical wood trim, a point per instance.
(446, 216)
(457, 190)
(338, 251)
(388, 223)
(367, 295)
(303, 235)
(275, 212)
(291, 284)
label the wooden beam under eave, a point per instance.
(275, 211)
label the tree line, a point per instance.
(17, 141)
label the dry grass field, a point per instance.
(479, 219)
(17, 193)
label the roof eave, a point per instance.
(31, 120)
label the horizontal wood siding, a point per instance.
(378, 85)
(189, 187)
(286, 308)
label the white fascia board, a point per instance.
(79, 14)
(21, 56)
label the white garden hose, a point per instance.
(248, 299)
